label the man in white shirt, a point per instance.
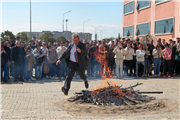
(75, 59)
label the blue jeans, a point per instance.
(61, 69)
(147, 66)
(52, 69)
(27, 74)
(157, 65)
(4, 68)
(38, 71)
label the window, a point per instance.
(160, 1)
(129, 8)
(128, 31)
(164, 26)
(142, 29)
(141, 4)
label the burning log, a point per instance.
(112, 95)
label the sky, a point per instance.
(48, 15)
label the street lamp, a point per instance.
(95, 29)
(66, 24)
(30, 18)
(83, 26)
(63, 18)
(101, 32)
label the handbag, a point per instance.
(46, 67)
(40, 60)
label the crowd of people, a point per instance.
(121, 58)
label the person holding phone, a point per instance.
(119, 55)
(157, 55)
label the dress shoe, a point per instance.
(65, 91)
(86, 84)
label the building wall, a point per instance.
(155, 12)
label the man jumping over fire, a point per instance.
(75, 59)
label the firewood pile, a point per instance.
(112, 95)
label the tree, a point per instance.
(48, 37)
(23, 36)
(61, 39)
(6, 35)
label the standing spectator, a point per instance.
(85, 41)
(88, 59)
(134, 60)
(94, 53)
(135, 47)
(128, 59)
(151, 47)
(157, 54)
(119, 55)
(27, 74)
(3, 63)
(140, 58)
(91, 43)
(18, 39)
(103, 54)
(23, 45)
(167, 54)
(39, 55)
(52, 58)
(170, 40)
(162, 47)
(173, 48)
(7, 58)
(178, 59)
(45, 62)
(32, 45)
(111, 62)
(49, 44)
(164, 42)
(18, 54)
(61, 68)
(11, 40)
(147, 59)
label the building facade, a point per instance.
(56, 34)
(158, 18)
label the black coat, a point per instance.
(18, 55)
(173, 53)
(80, 56)
(7, 55)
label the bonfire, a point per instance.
(112, 95)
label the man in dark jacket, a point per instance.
(18, 53)
(75, 59)
(5, 56)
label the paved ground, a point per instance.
(37, 99)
